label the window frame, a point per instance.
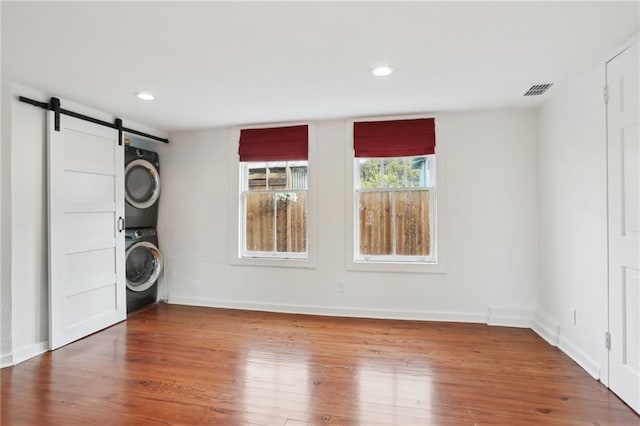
(434, 266)
(244, 191)
(431, 189)
(235, 235)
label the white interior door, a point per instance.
(624, 226)
(86, 242)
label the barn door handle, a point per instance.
(120, 224)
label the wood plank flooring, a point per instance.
(178, 365)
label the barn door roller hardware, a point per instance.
(54, 105)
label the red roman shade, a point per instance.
(274, 144)
(395, 138)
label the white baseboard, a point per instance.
(585, 361)
(510, 317)
(549, 330)
(546, 328)
(30, 351)
(6, 360)
(330, 311)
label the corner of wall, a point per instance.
(6, 360)
(551, 331)
(546, 328)
(28, 352)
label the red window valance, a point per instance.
(395, 138)
(274, 144)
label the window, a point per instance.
(394, 191)
(274, 206)
(394, 198)
(273, 202)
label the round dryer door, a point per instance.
(143, 265)
(141, 184)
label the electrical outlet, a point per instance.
(340, 286)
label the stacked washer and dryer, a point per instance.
(143, 259)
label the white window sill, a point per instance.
(273, 262)
(406, 267)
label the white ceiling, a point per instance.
(213, 64)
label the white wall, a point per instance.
(491, 259)
(24, 221)
(573, 220)
(6, 356)
(28, 230)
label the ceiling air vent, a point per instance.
(538, 89)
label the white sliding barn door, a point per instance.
(624, 225)
(86, 244)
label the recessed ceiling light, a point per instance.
(381, 70)
(145, 96)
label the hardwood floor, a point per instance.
(173, 365)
